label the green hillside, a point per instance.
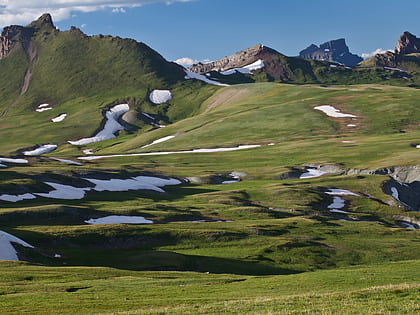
(232, 222)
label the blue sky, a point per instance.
(211, 29)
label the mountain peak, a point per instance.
(407, 44)
(333, 50)
(43, 20)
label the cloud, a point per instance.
(185, 61)
(23, 12)
(373, 53)
(118, 10)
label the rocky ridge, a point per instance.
(333, 51)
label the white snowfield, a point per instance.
(16, 198)
(59, 118)
(332, 111)
(41, 149)
(241, 147)
(119, 219)
(193, 75)
(338, 203)
(159, 141)
(111, 126)
(312, 173)
(66, 161)
(16, 161)
(7, 251)
(259, 64)
(160, 96)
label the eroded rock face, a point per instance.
(334, 51)
(237, 60)
(15, 35)
(407, 44)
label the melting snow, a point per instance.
(2, 165)
(111, 126)
(351, 125)
(311, 173)
(160, 96)
(119, 219)
(340, 192)
(41, 149)
(193, 75)
(16, 198)
(159, 141)
(134, 183)
(332, 111)
(66, 161)
(64, 192)
(43, 107)
(246, 69)
(59, 118)
(338, 203)
(16, 161)
(241, 147)
(7, 251)
(394, 69)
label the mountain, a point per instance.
(405, 56)
(334, 51)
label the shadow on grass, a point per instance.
(151, 260)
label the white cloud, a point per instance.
(373, 53)
(83, 25)
(185, 61)
(23, 12)
(118, 10)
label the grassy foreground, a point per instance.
(373, 289)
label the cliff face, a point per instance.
(237, 60)
(407, 44)
(334, 51)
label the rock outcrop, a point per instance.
(334, 51)
(236, 60)
(15, 35)
(407, 44)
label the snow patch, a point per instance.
(119, 219)
(332, 111)
(241, 147)
(259, 64)
(311, 173)
(340, 192)
(338, 203)
(160, 96)
(59, 118)
(110, 128)
(159, 141)
(41, 149)
(16, 198)
(16, 161)
(64, 192)
(66, 161)
(42, 108)
(193, 75)
(7, 251)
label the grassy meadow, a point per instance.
(267, 244)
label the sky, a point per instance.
(204, 30)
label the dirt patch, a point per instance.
(225, 97)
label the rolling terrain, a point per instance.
(262, 197)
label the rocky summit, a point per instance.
(334, 50)
(408, 44)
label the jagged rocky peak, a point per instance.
(236, 60)
(15, 34)
(408, 44)
(334, 50)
